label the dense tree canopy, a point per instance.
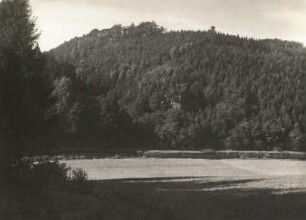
(193, 89)
(142, 86)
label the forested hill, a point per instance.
(180, 89)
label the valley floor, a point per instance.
(170, 189)
(197, 189)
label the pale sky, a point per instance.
(61, 20)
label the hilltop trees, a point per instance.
(196, 89)
(142, 86)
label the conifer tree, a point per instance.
(22, 90)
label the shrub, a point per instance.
(79, 175)
(51, 171)
(28, 178)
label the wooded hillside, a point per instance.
(180, 89)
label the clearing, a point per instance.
(142, 188)
(280, 175)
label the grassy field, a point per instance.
(196, 188)
(163, 189)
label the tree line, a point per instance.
(141, 86)
(187, 89)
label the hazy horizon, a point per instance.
(61, 20)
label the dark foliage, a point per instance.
(184, 89)
(140, 86)
(23, 89)
(42, 190)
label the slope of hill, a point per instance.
(142, 85)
